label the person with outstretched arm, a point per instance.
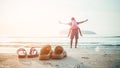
(74, 30)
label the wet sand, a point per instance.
(81, 57)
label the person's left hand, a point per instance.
(60, 22)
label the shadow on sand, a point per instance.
(68, 62)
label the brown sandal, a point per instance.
(23, 54)
(45, 52)
(59, 53)
(33, 53)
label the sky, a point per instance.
(40, 17)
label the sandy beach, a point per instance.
(81, 57)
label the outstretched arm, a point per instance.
(65, 23)
(82, 21)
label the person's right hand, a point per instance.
(86, 20)
(68, 36)
(80, 35)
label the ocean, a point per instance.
(89, 41)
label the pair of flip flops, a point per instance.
(46, 52)
(22, 53)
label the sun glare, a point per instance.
(34, 18)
